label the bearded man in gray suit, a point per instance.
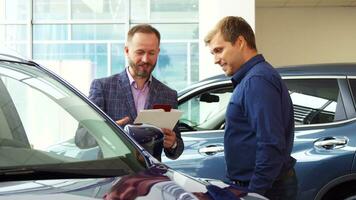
(122, 96)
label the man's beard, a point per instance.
(141, 73)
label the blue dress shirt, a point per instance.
(259, 129)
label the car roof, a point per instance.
(328, 69)
(325, 69)
(8, 54)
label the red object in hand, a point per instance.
(165, 107)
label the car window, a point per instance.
(206, 111)
(316, 100)
(40, 119)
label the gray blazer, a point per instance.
(113, 95)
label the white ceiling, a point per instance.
(305, 3)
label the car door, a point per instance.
(202, 127)
(324, 134)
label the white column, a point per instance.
(210, 12)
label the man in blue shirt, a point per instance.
(259, 129)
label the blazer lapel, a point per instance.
(152, 95)
(125, 87)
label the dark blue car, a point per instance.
(325, 135)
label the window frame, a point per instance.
(352, 100)
(343, 84)
(338, 80)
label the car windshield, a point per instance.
(44, 123)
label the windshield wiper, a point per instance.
(17, 174)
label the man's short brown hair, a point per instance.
(143, 28)
(231, 28)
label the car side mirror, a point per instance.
(148, 136)
(209, 98)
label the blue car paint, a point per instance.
(318, 169)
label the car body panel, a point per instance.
(325, 152)
(198, 164)
(146, 185)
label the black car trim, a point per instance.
(351, 91)
(32, 174)
(347, 98)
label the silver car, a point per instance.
(40, 115)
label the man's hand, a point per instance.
(123, 121)
(169, 138)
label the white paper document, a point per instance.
(159, 118)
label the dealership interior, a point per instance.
(54, 49)
(87, 37)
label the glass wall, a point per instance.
(94, 33)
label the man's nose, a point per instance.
(216, 59)
(145, 57)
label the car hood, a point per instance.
(158, 182)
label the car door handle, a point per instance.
(331, 143)
(211, 149)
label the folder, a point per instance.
(159, 117)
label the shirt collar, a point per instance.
(238, 76)
(132, 80)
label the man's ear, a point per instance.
(126, 50)
(240, 42)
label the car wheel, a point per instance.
(353, 197)
(342, 193)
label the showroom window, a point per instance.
(88, 37)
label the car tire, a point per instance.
(341, 193)
(351, 197)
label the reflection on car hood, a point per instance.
(157, 182)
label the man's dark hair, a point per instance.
(143, 28)
(231, 28)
